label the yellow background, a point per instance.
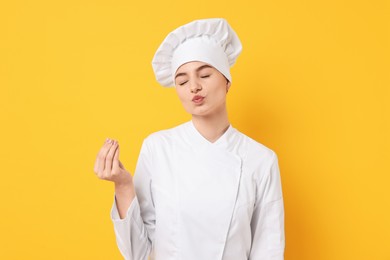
(312, 83)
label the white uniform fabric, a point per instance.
(203, 201)
(212, 41)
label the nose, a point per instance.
(195, 86)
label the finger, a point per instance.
(102, 156)
(109, 158)
(96, 166)
(115, 162)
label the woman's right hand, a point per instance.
(108, 167)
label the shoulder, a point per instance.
(165, 136)
(254, 151)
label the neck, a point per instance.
(213, 126)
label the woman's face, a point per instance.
(201, 88)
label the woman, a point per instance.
(201, 190)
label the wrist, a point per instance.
(124, 184)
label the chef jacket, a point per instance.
(198, 200)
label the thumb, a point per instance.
(121, 165)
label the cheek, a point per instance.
(220, 93)
(219, 86)
(183, 97)
(180, 94)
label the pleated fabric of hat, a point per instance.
(212, 41)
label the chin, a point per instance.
(203, 113)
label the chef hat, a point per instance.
(212, 41)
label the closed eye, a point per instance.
(205, 76)
(181, 84)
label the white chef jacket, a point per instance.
(197, 200)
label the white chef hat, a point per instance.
(212, 41)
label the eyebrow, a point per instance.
(198, 69)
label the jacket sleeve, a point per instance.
(135, 233)
(267, 225)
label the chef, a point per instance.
(202, 190)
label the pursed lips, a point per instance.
(197, 99)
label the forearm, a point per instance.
(124, 195)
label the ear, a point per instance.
(228, 84)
